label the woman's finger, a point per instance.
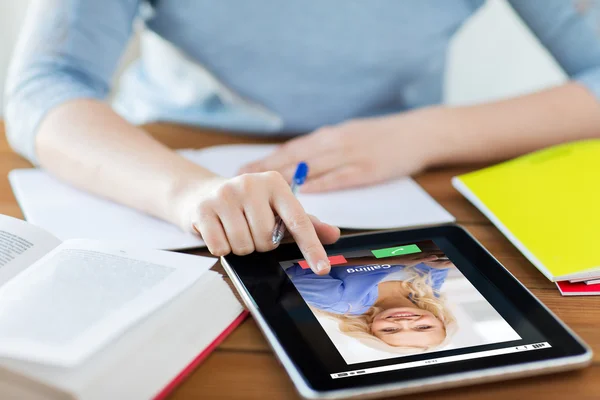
(327, 234)
(261, 221)
(235, 226)
(209, 227)
(301, 227)
(288, 155)
(318, 165)
(340, 178)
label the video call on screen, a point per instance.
(392, 302)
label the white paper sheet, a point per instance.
(84, 294)
(70, 213)
(397, 204)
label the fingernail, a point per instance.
(195, 228)
(322, 265)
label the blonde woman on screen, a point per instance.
(424, 324)
(395, 306)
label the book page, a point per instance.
(150, 354)
(84, 294)
(21, 244)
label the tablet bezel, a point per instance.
(305, 367)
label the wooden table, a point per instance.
(244, 366)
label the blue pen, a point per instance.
(297, 181)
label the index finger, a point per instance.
(288, 154)
(302, 230)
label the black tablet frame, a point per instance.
(270, 289)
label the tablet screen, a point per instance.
(403, 306)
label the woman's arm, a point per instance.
(87, 144)
(371, 150)
(569, 112)
(59, 75)
(55, 116)
(504, 129)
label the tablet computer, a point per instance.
(401, 312)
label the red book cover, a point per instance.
(578, 289)
(201, 357)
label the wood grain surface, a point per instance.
(244, 367)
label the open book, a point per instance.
(71, 213)
(86, 319)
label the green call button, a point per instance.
(396, 251)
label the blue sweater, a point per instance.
(352, 290)
(268, 66)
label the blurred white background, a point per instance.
(12, 13)
(493, 56)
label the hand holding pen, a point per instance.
(237, 215)
(297, 181)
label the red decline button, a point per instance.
(333, 260)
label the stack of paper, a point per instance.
(70, 213)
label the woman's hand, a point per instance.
(361, 152)
(238, 215)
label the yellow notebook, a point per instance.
(547, 204)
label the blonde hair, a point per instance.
(418, 284)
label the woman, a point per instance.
(393, 305)
(364, 78)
